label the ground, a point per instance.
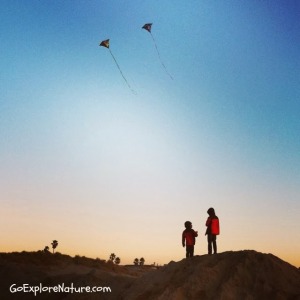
(229, 275)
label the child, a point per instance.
(188, 239)
(213, 229)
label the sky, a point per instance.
(103, 168)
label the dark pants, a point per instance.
(212, 243)
(189, 251)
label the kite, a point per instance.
(105, 44)
(148, 27)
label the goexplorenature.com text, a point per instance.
(60, 288)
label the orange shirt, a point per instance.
(213, 225)
(188, 236)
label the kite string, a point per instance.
(159, 56)
(121, 72)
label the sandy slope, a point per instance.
(229, 275)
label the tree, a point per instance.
(117, 260)
(112, 257)
(142, 261)
(136, 261)
(54, 244)
(46, 249)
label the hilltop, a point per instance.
(229, 275)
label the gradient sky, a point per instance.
(100, 169)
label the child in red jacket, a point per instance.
(213, 229)
(189, 239)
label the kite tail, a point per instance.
(133, 91)
(160, 57)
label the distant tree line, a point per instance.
(140, 261)
(114, 259)
(54, 246)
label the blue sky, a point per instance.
(82, 157)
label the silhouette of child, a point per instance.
(213, 229)
(189, 239)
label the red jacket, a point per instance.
(213, 225)
(188, 237)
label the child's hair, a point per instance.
(211, 212)
(188, 224)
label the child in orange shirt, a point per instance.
(189, 239)
(213, 229)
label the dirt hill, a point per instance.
(243, 275)
(238, 275)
